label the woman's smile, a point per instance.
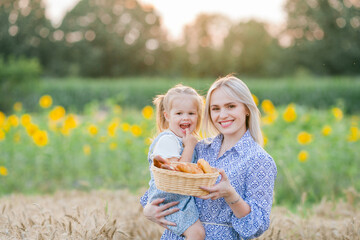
(226, 124)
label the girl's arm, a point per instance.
(189, 141)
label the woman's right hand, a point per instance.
(156, 213)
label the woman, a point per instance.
(238, 206)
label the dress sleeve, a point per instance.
(144, 199)
(167, 147)
(259, 187)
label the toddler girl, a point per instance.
(178, 118)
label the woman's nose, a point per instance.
(223, 112)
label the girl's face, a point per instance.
(228, 115)
(183, 114)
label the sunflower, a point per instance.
(45, 101)
(3, 171)
(147, 112)
(40, 138)
(136, 130)
(57, 113)
(326, 130)
(93, 130)
(303, 156)
(304, 138)
(290, 113)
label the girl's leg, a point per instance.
(195, 231)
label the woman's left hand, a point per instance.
(222, 189)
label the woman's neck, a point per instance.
(231, 140)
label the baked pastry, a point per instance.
(159, 161)
(188, 168)
(204, 165)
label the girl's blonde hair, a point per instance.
(163, 103)
(237, 90)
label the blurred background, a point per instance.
(77, 80)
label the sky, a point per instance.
(176, 14)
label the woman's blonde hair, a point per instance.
(163, 103)
(237, 90)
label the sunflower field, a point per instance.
(105, 147)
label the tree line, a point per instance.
(113, 38)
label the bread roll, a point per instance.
(159, 161)
(205, 166)
(189, 168)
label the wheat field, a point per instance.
(105, 214)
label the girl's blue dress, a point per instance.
(252, 172)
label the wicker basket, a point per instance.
(183, 183)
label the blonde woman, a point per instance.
(238, 206)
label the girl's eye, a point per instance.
(192, 113)
(232, 106)
(215, 109)
(179, 113)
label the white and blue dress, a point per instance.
(252, 172)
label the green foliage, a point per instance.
(328, 170)
(16, 71)
(25, 31)
(318, 93)
(112, 38)
(325, 36)
(116, 157)
(77, 160)
(115, 38)
(75, 93)
(18, 77)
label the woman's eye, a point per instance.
(215, 109)
(232, 106)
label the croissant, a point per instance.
(159, 161)
(188, 168)
(204, 165)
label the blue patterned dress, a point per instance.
(252, 172)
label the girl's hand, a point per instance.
(189, 139)
(156, 213)
(222, 189)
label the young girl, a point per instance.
(239, 205)
(179, 114)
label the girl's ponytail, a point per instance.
(161, 122)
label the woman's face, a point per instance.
(228, 115)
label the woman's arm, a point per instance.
(224, 190)
(156, 213)
(252, 210)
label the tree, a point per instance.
(24, 30)
(250, 49)
(325, 35)
(113, 38)
(203, 41)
